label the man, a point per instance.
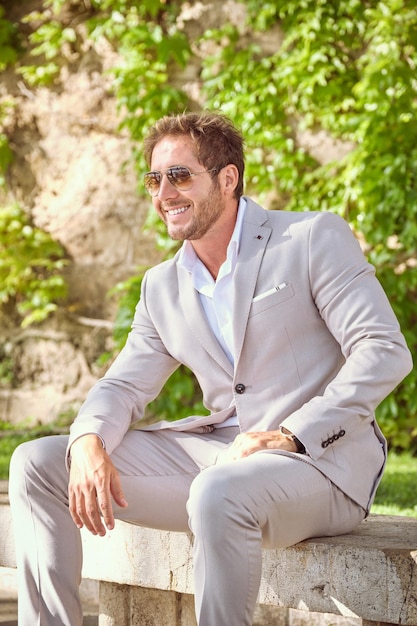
(293, 343)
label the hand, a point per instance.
(93, 482)
(246, 444)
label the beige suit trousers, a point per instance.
(174, 481)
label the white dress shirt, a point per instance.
(217, 295)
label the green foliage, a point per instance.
(48, 44)
(30, 268)
(6, 155)
(6, 369)
(128, 293)
(8, 53)
(180, 398)
(396, 494)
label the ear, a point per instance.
(230, 177)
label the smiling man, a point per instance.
(293, 343)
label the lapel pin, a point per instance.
(259, 237)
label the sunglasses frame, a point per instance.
(171, 178)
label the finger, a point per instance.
(117, 491)
(85, 509)
(83, 514)
(106, 509)
(73, 510)
(93, 520)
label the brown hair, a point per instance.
(216, 141)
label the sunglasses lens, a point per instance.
(180, 177)
(152, 182)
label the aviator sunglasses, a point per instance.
(178, 175)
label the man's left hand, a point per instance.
(246, 444)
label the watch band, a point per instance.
(300, 446)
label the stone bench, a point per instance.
(146, 575)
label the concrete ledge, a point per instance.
(7, 555)
(370, 573)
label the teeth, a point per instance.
(177, 211)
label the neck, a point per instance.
(212, 248)
(212, 262)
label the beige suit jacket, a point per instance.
(316, 355)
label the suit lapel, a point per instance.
(255, 236)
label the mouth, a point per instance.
(177, 210)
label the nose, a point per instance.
(166, 189)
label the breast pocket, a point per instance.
(271, 298)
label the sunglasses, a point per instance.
(178, 175)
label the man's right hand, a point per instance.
(93, 482)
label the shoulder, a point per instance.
(294, 221)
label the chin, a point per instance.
(176, 235)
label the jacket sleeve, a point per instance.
(356, 311)
(133, 380)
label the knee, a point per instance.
(28, 454)
(20, 457)
(17, 469)
(211, 499)
(32, 459)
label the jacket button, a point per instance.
(240, 388)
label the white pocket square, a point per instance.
(265, 294)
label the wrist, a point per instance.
(88, 441)
(291, 437)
